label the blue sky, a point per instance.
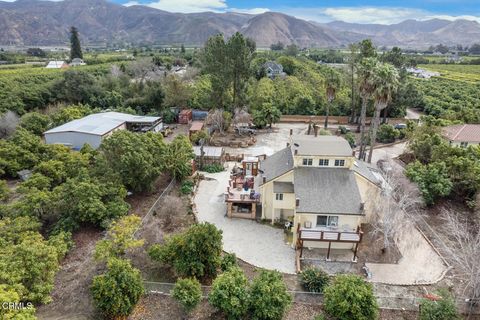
(366, 11)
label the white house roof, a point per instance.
(100, 123)
(321, 146)
(55, 64)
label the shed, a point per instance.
(196, 127)
(211, 155)
(185, 116)
(57, 64)
(199, 115)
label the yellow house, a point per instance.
(317, 183)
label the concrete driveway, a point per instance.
(260, 245)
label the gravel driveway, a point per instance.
(260, 245)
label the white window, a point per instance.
(279, 196)
(307, 162)
(339, 163)
(463, 144)
(323, 162)
(327, 221)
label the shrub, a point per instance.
(187, 187)
(4, 190)
(228, 261)
(193, 253)
(117, 291)
(168, 116)
(314, 280)
(324, 132)
(442, 309)
(229, 293)
(268, 296)
(350, 137)
(350, 297)
(213, 168)
(387, 133)
(343, 129)
(188, 293)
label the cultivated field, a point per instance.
(466, 73)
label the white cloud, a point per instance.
(380, 15)
(186, 6)
(250, 11)
(131, 3)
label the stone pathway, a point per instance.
(260, 245)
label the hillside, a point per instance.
(46, 23)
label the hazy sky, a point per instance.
(366, 11)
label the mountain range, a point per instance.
(46, 23)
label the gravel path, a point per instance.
(260, 245)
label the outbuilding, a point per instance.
(93, 128)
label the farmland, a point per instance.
(457, 72)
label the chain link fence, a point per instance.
(384, 302)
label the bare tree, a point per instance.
(389, 205)
(140, 69)
(463, 249)
(8, 123)
(217, 118)
(241, 116)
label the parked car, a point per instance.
(400, 126)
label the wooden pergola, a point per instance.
(304, 234)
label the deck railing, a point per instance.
(329, 235)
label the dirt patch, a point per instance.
(370, 249)
(71, 295)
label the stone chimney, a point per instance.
(297, 202)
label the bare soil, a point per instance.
(370, 249)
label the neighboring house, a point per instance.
(57, 64)
(316, 183)
(462, 135)
(93, 128)
(76, 62)
(273, 69)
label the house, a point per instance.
(318, 185)
(76, 62)
(93, 128)
(57, 64)
(273, 69)
(422, 73)
(462, 135)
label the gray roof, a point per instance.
(283, 187)
(277, 164)
(213, 152)
(328, 191)
(365, 171)
(101, 123)
(321, 146)
(274, 66)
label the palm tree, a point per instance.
(385, 82)
(332, 85)
(352, 62)
(366, 70)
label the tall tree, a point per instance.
(365, 73)
(75, 48)
(215, 63)
(240, 53)
(352, 62)
(332, 84)
(385, 83)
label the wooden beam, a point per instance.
(328, 251)
(355, 253)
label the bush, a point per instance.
(387, 133)
(314, 280)
(117, 291)
(268, 296)
(229, 293)
(187, 187)
(168, 116)
(442, 309)
(350, 137)
(193, 253)
(228, 261)
(432, 180)
(188, 293)
(350, 297)
(324, 132)
(213, 168)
